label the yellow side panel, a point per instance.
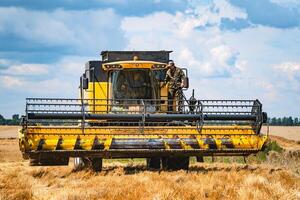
(96, 105)
(164, 96)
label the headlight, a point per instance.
(158, 66)
(112, 66)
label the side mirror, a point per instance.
(186, 82)
(264, 117)
(84, 82)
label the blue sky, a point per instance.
(234, 49)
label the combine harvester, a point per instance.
(124, 112)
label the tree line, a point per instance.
(284, 121)
(275, 121)
(15, 120)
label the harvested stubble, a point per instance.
(212, 181)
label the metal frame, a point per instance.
(146, 112)
(141, 153)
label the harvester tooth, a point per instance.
(201, 144)
(40, 145)
(77, 143)
(107, 143)
(167, 146)
(59, 143)
(218, 143)
(184, 145)
(96, 144)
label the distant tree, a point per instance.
(273, 121)
(296, 121)
(16, 117)
(279, 121)
(284, 121)
(290, 121)
(2, 120)
(14, 121)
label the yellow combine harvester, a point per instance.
(124, 112)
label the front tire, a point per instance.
(175, 163)
(49, 161)
(154, 163)
(96, 164)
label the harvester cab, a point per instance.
(123, 111)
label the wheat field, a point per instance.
(276, 178)
(206, 181)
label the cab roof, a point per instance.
(155, 56)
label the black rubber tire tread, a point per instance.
(60, 161)
(96, 164)
(175, 163)
(154, 163)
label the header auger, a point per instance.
(124, 111)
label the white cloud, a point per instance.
(225, 58)
(205, 51)
(291, 69)
(288, 76)
(56, 79)
(72, 65)
(43, 87)
(227, 10)
(26, 69)
(37, 26)
(84, 30)
(213, 12)
(222, 54)
(202, 15)
(221, 61)
(11, 82)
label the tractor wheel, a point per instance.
(153, 163)
(96, 164)
(175, 163)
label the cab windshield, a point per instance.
(134, 84)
